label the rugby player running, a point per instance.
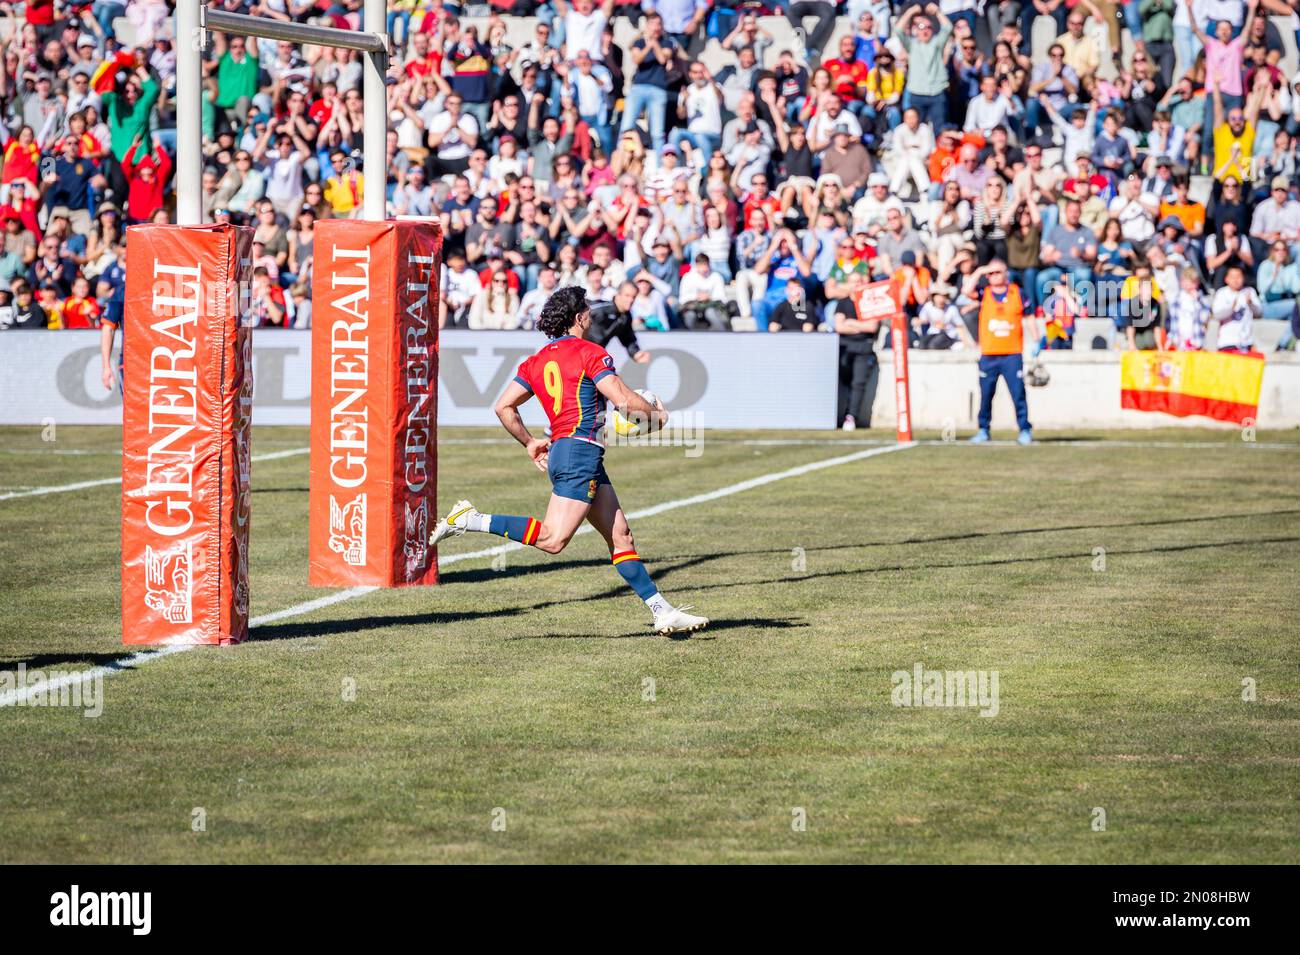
(573, 378)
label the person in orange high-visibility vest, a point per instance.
(1002, 344)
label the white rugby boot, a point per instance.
(677, 620)
(456, 522)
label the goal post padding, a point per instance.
(186, 429)
(374, 402)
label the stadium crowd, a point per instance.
(1137, 162)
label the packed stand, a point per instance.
(1141, 168)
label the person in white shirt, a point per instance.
(1277, 217)
(703, 298)
(910, 150)
(1136, 211)
(453, 134)
(414, 197)
(583, 25)
(869, 211)
(748, 158)
(460, 286)
(530, 309)
(989, 109)
(1236, 306)
(700, 104)
(495, 307)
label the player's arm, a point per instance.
(507, 409)
(106, 331)
(629, 403)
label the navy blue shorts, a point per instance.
(576, 468)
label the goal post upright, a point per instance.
(194, 21)
(189, 373)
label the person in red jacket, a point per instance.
(22, 157)
(147, 176)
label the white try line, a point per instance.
(105, 482)
(136, 660)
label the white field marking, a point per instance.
(104, 482)
(137, 660)
(881, 442)
(1142, 445)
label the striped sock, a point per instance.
(629, 567)
(522, 529)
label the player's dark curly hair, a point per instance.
(560, 310)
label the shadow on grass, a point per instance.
(322, 628)
(683, 561)
(993, 562)
(750, 623)
(291, 631)
(50, 661)
(281, 490)
(478, 575)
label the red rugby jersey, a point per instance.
(563, 376)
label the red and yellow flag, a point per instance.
(1219, 385)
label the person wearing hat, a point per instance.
(1161, 181)
(869, 211)
(857, 337)
(1171, 228)
(1276, 218)
(883, 94)
(939, 323)
(649, 310)
(748, 157)
(848, 159)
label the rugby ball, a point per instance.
(631, 427)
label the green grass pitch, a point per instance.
(1128, 589)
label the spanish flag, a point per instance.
(1219, 385)
(104, 78)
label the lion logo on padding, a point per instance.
(416, 544)
(348, 530)
(167, 580)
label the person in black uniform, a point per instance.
(858, 361)
(610, 320)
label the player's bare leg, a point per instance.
(552, 534)
(564, 516)
(607, 517)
